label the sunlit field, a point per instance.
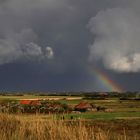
(122, 123)
(19, 127)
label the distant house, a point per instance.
(29, 102)
(83, 106)
(24, 102)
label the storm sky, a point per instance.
(55, 45)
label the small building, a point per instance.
(29, 102)
(83, 106)
(24, 102)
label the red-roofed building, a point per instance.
(83, 106)
(25, 102)
(29, 102)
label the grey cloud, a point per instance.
(52, 23)
(20, 46)
(117, 39)
(53, 33)
(19, 39)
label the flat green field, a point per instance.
(124, 119)
(124, 109)
(106, 115)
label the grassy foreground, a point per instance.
(123, 123)
(17, 127)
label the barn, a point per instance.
(83, 106)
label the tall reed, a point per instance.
(16, 127)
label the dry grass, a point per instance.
(15, 127)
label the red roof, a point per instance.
(83, 105)
(25, 102)
(29, 102)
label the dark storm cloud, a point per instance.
(44, 43)
(60, 23)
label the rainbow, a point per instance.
(106, 81)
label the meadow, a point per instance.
(35, 127)
(122, 123)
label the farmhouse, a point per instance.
(24, 102)
(83, 106)
(29, 102)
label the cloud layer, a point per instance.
(44, 43)
(21, 47)
(117, 39)
(24, 25)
